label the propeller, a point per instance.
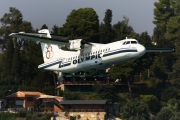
(83, 42)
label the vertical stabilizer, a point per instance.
(50, 51)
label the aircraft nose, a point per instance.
(141, 50)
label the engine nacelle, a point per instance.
(75, 44)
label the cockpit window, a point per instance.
(128, 42)
(124, 43)
(133, 42)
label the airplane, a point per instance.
(82, 55)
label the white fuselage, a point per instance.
(96, 57)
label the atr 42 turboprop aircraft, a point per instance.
(83, 55)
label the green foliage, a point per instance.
(169, 93)
(22, 113)
(44, 26)
(162, 12)
(174, 104)
(16, 63)
(7, 63)
(13, 18)
(145, 39)
(55, 30)
(38, 116)
(152, 102)
(107, 92)
(134, 110)
(122, 29)
(165, 114)
(72, 118)
(127, 70)
(173, 28)
(105, 29)
(71, 96)
(66, 114)
(78, 116)
(81, 23)
(158, 69)
(7, 116)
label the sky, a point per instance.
(55, 12)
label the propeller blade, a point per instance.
(85, 42)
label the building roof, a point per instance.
(22, 94)
(83, 102)
(49, 96)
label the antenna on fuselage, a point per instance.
(126, 38)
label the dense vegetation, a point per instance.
(156, 77)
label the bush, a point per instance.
(22, 113)
(152, 102)
(7, 116)
(38, 116)
(165, 114)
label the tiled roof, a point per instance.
(31, 93)
(83, 102)
(24, 93)
(49, 96)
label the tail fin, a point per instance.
(50, 52)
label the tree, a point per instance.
(10, 23)
(166, 113)
(152, 102)
(26, 26)
(174, 35)
(162, 12)
(108, 92)
(16, 63)
(44, 26)
(126, 72)
(81, 23)
(105, 29)
(55, 29)
(7, 66)
(122, 29)
(134, 110)
(20, 57)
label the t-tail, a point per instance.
(49, 51)
(50, 46)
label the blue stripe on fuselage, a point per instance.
(117, 52)
(105, 55)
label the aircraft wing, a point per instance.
(159, 50)
(40, 37)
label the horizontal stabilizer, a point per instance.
(40, 37)
(159, 50)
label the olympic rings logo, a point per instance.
(49, 52)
